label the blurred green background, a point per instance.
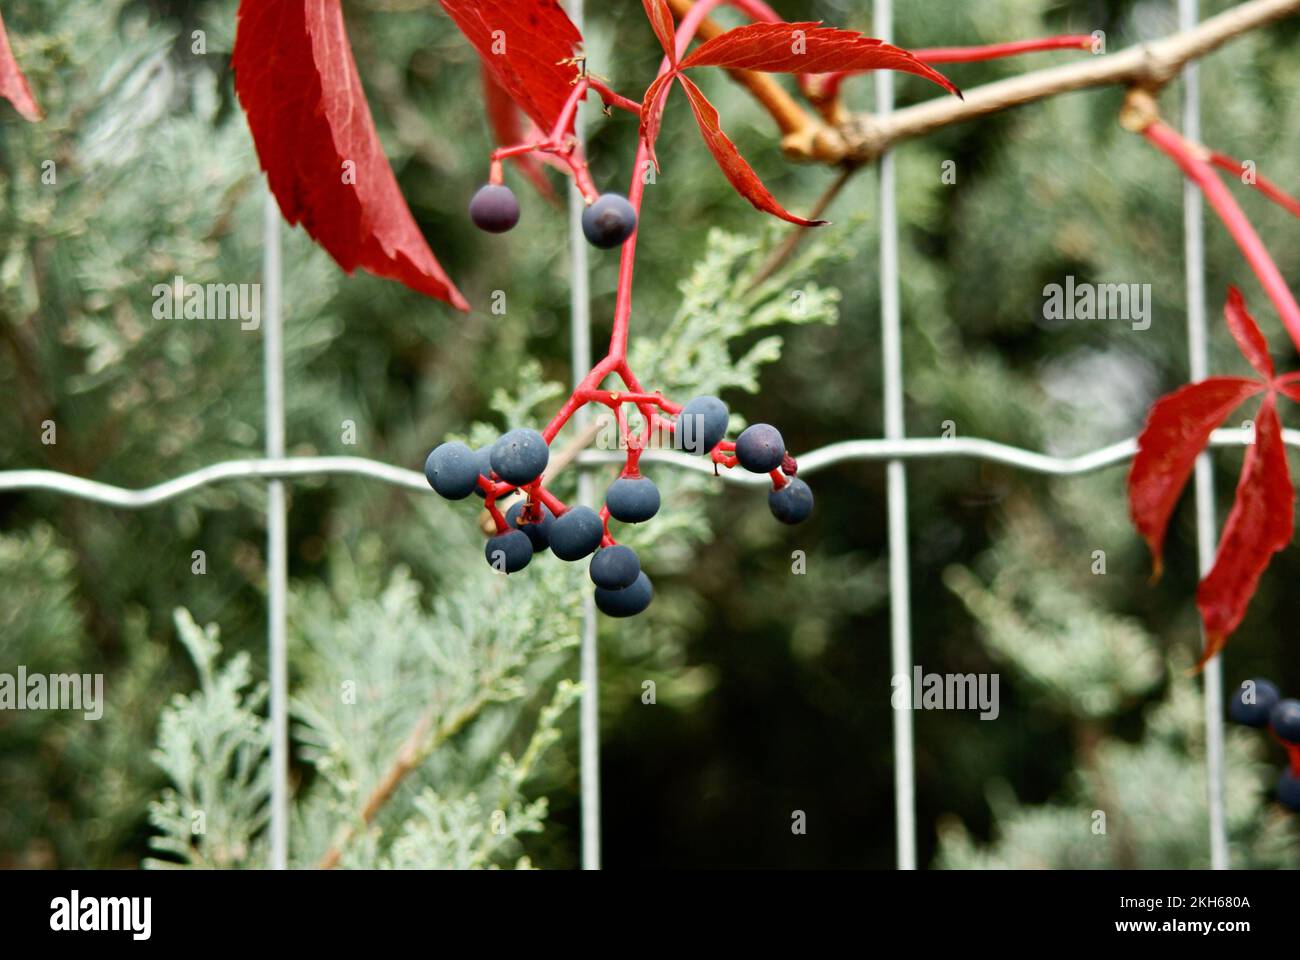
(773, 688)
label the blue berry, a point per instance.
(632, 499)
(1252, 702)
(576, 533)
(451, 470)
(483, 459)
(1288, 791)
(538, 531)
(701, 425)
(627, 602)
(609, 221)
(616, 567)
(792, 503)
(1285, 720)
(760, 448)
(494, 208)
(509, 552)
(520, 456)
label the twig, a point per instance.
(415, 748)
(795, 235)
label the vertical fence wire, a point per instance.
(276, 535)
(891, 346)
(580, 349)
(1198, 361)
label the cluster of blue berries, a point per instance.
(606, 223)
(517, 460)
(1258, 703)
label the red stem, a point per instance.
(996, 51)
(1265, 186)
(1221, 199)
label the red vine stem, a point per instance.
(1261, 183)
(1185, 154)
(996, 51)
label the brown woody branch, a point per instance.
(862, 138)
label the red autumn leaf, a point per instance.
(1177, 429)
(807, 48)
(801, 48)
(13, 85)
(1244, 329)
(1261, 523)
(509, 129)
(529, 45)
(298, 84)
(661, 20)
(733, 165)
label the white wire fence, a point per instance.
(896, 450)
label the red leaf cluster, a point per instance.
(803, 48)
(1261, 523)
(315, 138)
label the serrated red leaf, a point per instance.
(733, 165)
(529, 45)
(298, 84)
(661, 21)
(1177, 429)
(1244, 329)
(807, 48)
(509, 129)
(1261, 523)
(13, 85)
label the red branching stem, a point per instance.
(1261, 183)
(1294, 750)
(564, 122)
(612, 98)
(553, 503)
(779, 479)
(1220, 198)
(997, 51)
(562, 144)
(497, 516)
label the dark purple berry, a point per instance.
(632, 499)
(452, 470)
(520, 456)
(760, 448)
(627, 602)
(509, 552)
(616, 567)
(609, 221)
(494, 208)
(538, 531)
(701, 425)
(792, 503)
(1284, 718)
(1252, 702)
(576, 533)
(1288, 791)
